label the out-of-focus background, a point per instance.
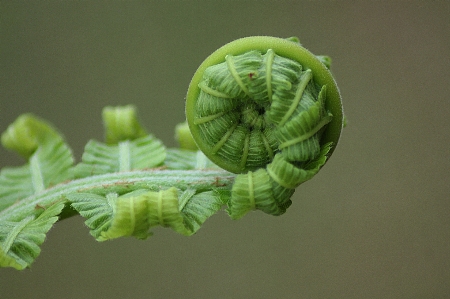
(375, 223)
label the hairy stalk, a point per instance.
(120, 183)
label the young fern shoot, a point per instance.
(265, 113)
(269, 109)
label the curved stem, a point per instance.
(120, 182)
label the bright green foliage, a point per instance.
(49, 160)
(261, 95)
(134, 213)
(252, 191)
(265, 111)
(270, 189)
(121, 124)
(20, 240)
(197, 207)
(49, 163)
(122, 187)
(27, 133)
(291, 175)
(100, 158)
(126, 187)
(184, 137)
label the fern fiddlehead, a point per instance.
(269, 108)
(264, 109)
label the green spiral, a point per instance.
(265, 103)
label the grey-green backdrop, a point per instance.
(373, 224)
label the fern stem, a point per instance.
(120, 183)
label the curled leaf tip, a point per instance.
(27, 133)
(184, 137)
(121, 123)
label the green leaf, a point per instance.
(253, 191)
(121, 124)
(100, 158)
(282, 196)
(270, 190)
(95, 208)
(20, 241)
(197, 208)
(163, 210)
(8, 261)
(133, 214)
(129, 217)
(184, 137)
(299, 138)
(49, 165)
(27, 133)
(290, 175)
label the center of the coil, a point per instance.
(252, 116)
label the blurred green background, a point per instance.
(375, 223)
